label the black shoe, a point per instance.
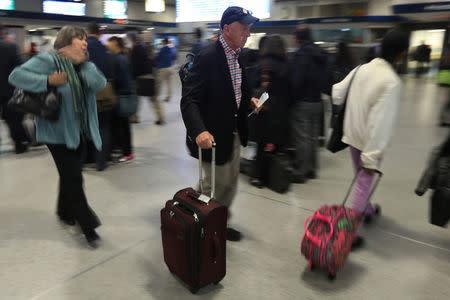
(20, 148)
(160, 123)
(92, 238)
(102, 167)
(298, 179)
(233, 235)
(311, 175)
(256, 183)
(377, 212)
(69, 222)
(358, 243)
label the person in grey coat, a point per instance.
(308, 80)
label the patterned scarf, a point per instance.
(78, 96)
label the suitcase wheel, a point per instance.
(331, 276)
(311, 266)
(194, 290)
(217, 282)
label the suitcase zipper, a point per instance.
(198, 234)
(188, 237)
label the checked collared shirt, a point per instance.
(235, 70)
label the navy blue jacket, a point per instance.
(121, 74)
(309, 73)
(166, 57)
(99, 55)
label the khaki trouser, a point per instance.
(155, 103)
(164, 75)
(227, 176)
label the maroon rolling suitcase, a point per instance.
(193, 229)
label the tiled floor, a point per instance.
(405, 257)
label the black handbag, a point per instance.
(279, 172)
(335, 143)
(45, 105)
(145, 85)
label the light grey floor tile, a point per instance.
(405, 257)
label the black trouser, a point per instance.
(72, 202)
(104, 124)
(122, 131)
(260, 164)
(14, 121)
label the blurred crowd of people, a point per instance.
(134, 70)
(102, 86)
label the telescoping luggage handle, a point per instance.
(213, 174)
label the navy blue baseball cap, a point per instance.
(237, 14)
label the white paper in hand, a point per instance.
(264, 97)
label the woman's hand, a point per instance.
(76, 56)
(57, 79)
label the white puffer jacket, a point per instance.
(372, 107)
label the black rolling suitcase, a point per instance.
(279, 172)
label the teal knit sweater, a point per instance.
(32, 76)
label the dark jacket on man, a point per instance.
(140, 61)
(99, 55)
(309, 76)
(423, 53)
(10, 58)
(208, 103)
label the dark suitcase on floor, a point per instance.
(193, 230)
(279, 172)
(329, 234)
(246, 166)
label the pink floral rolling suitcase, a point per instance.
(329, 234)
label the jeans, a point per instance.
(72, 202)
(305, 119)
(122, 134)
(104, 123)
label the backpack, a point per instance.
(184, 70)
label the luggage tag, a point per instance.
(204, 198)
